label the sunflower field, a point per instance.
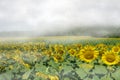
(88, 59)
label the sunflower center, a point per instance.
(89, 55)
(110, 58)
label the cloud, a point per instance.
(50, 15)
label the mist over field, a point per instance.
(59, 18)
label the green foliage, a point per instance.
(116, 74)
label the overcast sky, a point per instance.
(44, 15)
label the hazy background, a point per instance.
(59, 17)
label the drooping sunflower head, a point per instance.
(110, 58)
(88, 54)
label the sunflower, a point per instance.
(110, 58)
(101, 46)
(88, 54)
(72, 52)
(116, 49)
(57, 47)
(58, 58)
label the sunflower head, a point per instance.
(58, 46)
(60, 51)
(88, 54)
(58, 58)
(101, 46)
(110, 58)
(72, 52)
(116, 49)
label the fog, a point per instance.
(46, 16)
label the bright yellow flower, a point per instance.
(88, 54)
(110, 58)
(116, 49)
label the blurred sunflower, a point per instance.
(58, 58)
(68, 47)
(58, 47)
(116, 49)
(72, 52)
(88, 54)
(100, 45)
(60, 51)
(110, 58)
(48, 52)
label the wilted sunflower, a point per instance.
(88, 54)
(110, 58)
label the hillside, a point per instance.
(89, 31)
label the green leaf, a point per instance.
(88, 79)
(95, 78)
(107, 77)
(66, 79)
(54, 64)
(67, 69)
(40, 67)
(100, 69)
(27, 74)
(81, 73)
(116, 74)
(6, 76)
(29, 59)
(51, 71)
(86, 67)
